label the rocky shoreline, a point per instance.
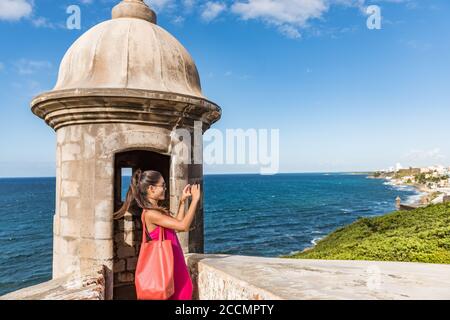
(428, 196)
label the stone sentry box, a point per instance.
(128, 230)
(114, 107)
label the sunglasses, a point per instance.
(160, 185)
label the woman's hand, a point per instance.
(195, 192)
(186, 192)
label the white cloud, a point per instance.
(13, 10)
(290, 16)
(189, 4)
(417, 154)
(2, 66)
(417, 45)
(178, 20)
(287, 15)
(289, 31)
(41, 22)
(212, 9)
(160, 5)
(25, 66)
(296, 12)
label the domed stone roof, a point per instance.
(127, 70)
(129, 51)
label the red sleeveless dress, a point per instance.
(182, 279)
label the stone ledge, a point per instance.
(71, 287)
(61, 108)
(229, 277)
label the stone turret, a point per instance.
(124, 88)
(398, 202)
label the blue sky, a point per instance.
(344, 97)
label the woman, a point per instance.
(147, 188)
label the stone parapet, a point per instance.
(72, 287)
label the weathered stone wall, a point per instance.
(70, 287)
(230, 277)
(83, 223)
(85, 234)
(127, 243)
(233, 277)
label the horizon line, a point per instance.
(218, 174)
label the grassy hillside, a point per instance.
(421, 235)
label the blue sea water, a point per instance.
(244, 214)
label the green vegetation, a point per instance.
(421, 235)
(376, 174)
(422, 179)
(406, 172)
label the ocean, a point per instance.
(245, 214)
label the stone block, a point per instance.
(104, 169)
(131, 263)
(70, 152)
(88, 146)
(103, 230)
(68, 246)
(63, 210)
(56, 225)
(125, 252)
(125, 277)
(103, 210)
(96, 249)
(119, 265)
(75, 133)
(119, 238)
(70, 189)
(69, 227)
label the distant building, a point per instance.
(443, 183)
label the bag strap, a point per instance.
(144, 229)
(161, 233)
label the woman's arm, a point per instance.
(156, 217)
(180, 214)
(167, 221)
(184, 195)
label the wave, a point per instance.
(315, 240)
(413, 199)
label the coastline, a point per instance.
(423, 198)
(425, 194)
(401, 236)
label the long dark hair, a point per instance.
(140, 181)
